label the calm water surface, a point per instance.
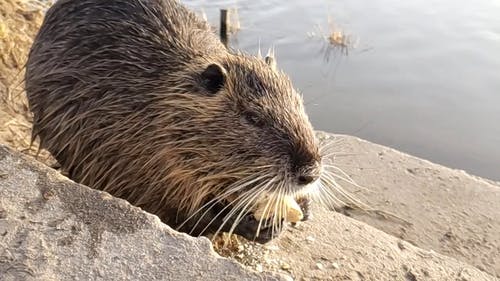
(424, 76)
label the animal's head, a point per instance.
(247, 129)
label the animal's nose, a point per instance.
(306, 179)
(308, 174)
(305, 164)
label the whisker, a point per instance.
(248, 197)
(327, 144)
(331, 198)
(334, 154)
(281, 205)
(339, 177)
(253, 198)
(344, 193)
(230, 190)
(265, 212)
(274, 219)
(346, 177)
(241, 200)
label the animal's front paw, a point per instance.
(250, 229)
(305, 207)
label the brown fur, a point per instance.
(118, 97)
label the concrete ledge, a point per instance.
(440, 209)
(54, 229)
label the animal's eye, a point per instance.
(253, 119)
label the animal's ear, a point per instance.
(213, 78)
(270, 58)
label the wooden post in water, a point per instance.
(224, 26)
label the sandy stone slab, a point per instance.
(54, 229)
(335, 247)
(440, 209)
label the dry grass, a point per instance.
(340, 39)
(234, 21)
(19, 23)
(337, 40)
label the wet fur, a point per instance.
(119, 100)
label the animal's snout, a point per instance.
(306, 166)
(308, 174)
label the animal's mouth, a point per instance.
(257, 215)
(269, 218)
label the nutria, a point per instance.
(140, 99)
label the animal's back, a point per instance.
(89, 53)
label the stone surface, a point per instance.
(444, 223)
(352, 250)
(435, 208)
(54, 229)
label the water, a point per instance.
(424, 76)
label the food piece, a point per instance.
(294, 213)
(290, 208)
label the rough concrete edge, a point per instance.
(50, 176)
